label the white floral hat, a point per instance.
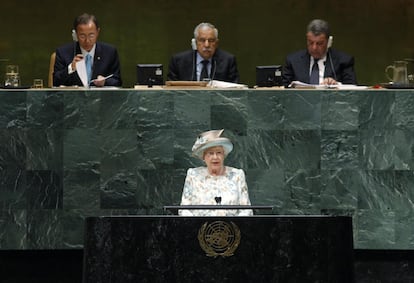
(210, 139)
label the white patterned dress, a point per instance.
(201, 188)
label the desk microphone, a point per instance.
(213, 69)
(218, 200)
(194, 74)
(329, 54)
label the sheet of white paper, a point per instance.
(299, 84)
(345, 86)
(221, 84)
(81, 69)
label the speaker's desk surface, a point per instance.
(218, 249)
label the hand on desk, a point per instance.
(329, 81)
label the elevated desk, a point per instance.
(218, 249)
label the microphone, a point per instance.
(218, 200)
(194, 73)
(332, 66)
(213, 69)
(329, 53)
(75, 40)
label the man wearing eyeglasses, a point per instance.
(205, 61)
(101, 59)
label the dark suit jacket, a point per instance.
(297, 67)
(183, 67)
(106, 62)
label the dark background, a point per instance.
(376, 32)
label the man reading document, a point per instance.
(319, 64)
(86, 62)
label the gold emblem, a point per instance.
(219, 238)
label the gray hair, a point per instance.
(84, 19)
(203, 26)
(318, 27)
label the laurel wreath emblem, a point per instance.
(219, 238)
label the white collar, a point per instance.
(92, 52)
(199, 58)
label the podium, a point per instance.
(218, 249)
(175, 208)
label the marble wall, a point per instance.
(69, 154)
(375, 32)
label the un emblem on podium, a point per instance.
(219, 238)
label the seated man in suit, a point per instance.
(205, 61)
(101, 59)
(319, 64)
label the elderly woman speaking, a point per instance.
(216, 183)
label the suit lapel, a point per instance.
(328, 65)
(216, 64)
(306, 63)
(96, 60)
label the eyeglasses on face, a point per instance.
(210, 40)
(90, 36)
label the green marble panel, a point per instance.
(376, 149)
(81, 189)
(404, 110)
(375, 228)
(69, 154)
(13, 224)
(119, 110)
(302, 110)
(377, 110)
(267, 187)
(80, 149)
(340, 110)
(191, 110)
(156, 147)
(44, 149)
(119, 190)
(156, 189)
(155, 110)
(301, 149)
(44, 189)
(13, 148)
(13, 109)
(12, 189)
(44, 110)
(266, 110)
(339, 190)
(264, 149)
(403, 149)
(81, 109)
(118, 151)
(44, 229)
(339, 150)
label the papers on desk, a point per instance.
(221, 84)
(299, 84)
(81, 69)
(350, 87)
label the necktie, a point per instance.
(88, 64)
(204, 71)
(314, 76)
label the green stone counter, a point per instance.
(69, 154)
